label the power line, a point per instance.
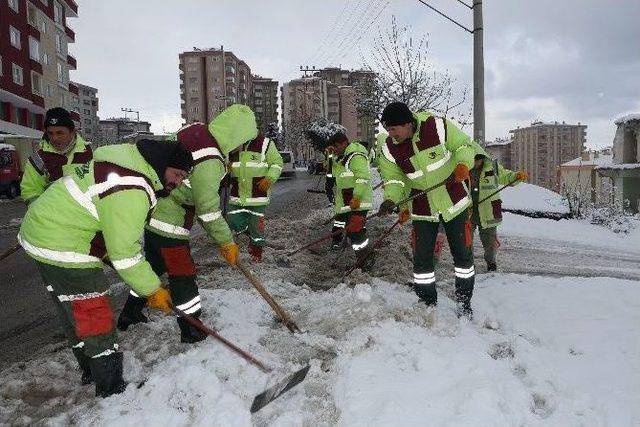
(356, 24)
(365, 31)
(328, 52)
(445, 16)
(329, 32)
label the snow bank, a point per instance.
(532, 198)
(569, 231)
(542, 351)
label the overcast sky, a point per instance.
(571, 60)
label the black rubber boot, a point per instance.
(427, 293)
(189, 334)
(491, 266)
(463, 304)
(370, 260)
(132, 312)
(85, 367)
(107, 373)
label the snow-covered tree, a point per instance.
(405, 72)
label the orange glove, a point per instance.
(522, 176)
(461, 172)
(160, 300)
(354, 204)
(230, 252)
(404, 216)
(264, 184)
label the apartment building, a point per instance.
(35, 62)
(542, 147)
(211, 80)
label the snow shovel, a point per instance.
(498, 190)
(270, 394)
(375, 246)
(9, 251)
(410, 198)
(283, 315)
(315, 242)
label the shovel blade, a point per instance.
(272, 393)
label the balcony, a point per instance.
(73, 64)
(75, 116)
(71, 34)
(230, 79)
(229, 69)
(71, 8)
(73, 89)
(35, 66)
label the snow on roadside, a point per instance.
(533, 198)
(569, 231)
(542, 351)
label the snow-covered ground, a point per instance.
(541, 351)
(532, 198)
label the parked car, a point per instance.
(288, 168)
(14, 152)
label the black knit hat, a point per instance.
(337, 138)
(162, 154)
(58, 117)
(396, 113)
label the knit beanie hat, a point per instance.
(162, 154)
(396, 113)
(58, 117)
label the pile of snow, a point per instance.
(557, 351)
(627, 118)
(532, 198)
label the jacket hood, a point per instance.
(233, 127)
(128, 156)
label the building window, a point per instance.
(58, 14)
(62, 104)
(32, 15)
(86, 102)
(48, 90)
(59, 44)
(18, 77)
(87, 122)
(14, 35)
(45, 58)
(36, 83)
(13, 4)
(43, 26)
(60, 73)
(34, 49)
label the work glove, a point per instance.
(522, 176)
(404, 216)
(386, 208)
(355, 224)
(354, 204)
(160, 300)
(265, 184)
(229, 252)
(461, 172)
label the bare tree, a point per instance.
(404, 72)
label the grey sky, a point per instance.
(572, 60)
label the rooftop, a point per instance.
(594, 159)
(628, 118)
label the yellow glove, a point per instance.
(230, 252)
(404, 216)
(354, 204)
(264, 184)
(160, 300)
(522, 176)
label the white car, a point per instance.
(288, 168)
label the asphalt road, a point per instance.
(28, 322)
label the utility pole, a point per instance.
(478, 74)
(478, 64)
(129, 110)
